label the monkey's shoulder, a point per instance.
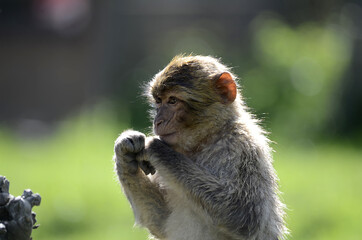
(232, 153)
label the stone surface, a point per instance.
(16, 217)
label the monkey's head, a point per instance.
(192, 97)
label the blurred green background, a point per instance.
(70, 77)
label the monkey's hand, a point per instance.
(146, 157)
(149, 157)
(126, 147)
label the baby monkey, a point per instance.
(207, 173)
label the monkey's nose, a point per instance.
(159, 122)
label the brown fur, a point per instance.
(217, 180)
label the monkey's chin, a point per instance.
(170, 138)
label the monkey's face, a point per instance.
(189, 96)
(171, 117)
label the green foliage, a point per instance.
(322, 189)
(296, 74)
(73, 172)
(81, 198)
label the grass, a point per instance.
(322, 187)
(81, 199)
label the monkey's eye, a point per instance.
(158, 100)
(172, 100)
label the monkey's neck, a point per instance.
(218, 121)
(195, 140)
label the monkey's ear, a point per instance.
(226, 87)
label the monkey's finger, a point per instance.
(129, 157)
(138, 142)
(122, 145)
(152, 170)
(142, 156)
(131, 141)
(126, 158)
(132, 166)
(127, 145)
(146, 167)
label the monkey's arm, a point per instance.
(146, 198)
(231, 206)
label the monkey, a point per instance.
(206, 173)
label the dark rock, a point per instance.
(16, 217)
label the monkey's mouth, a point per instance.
(167, 134)
(167, 137)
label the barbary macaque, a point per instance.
(207, 172)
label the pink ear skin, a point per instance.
(226, 87)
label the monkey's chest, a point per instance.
(186, 223)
